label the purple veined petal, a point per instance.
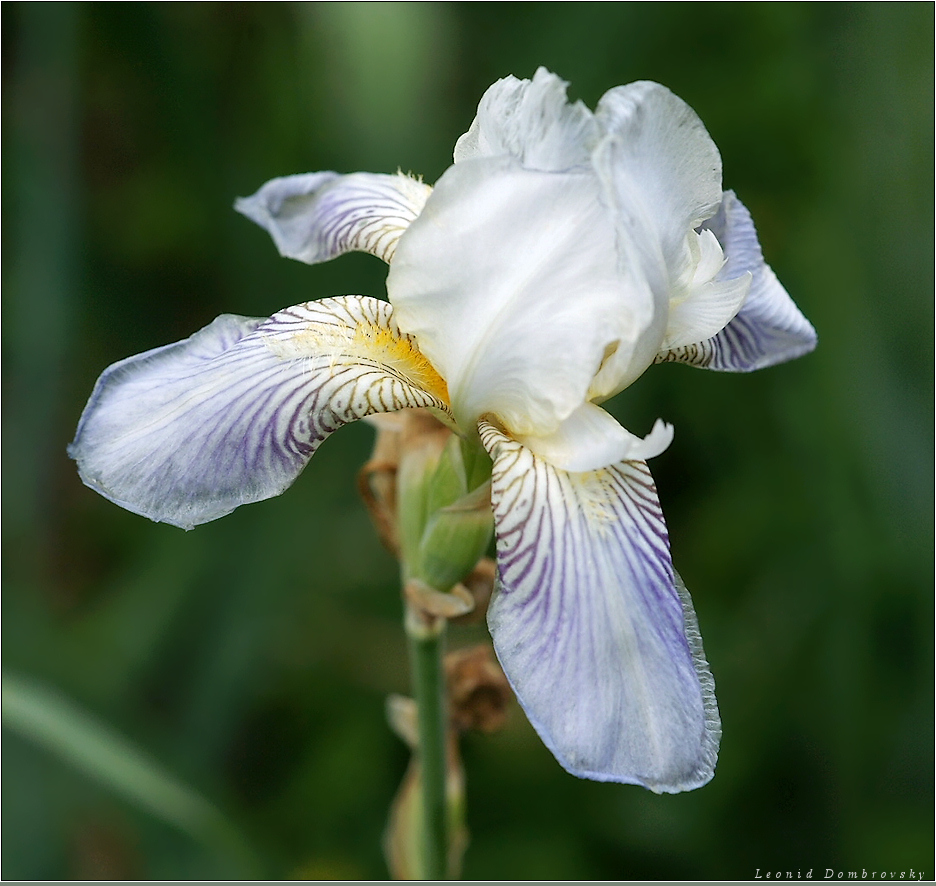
(592, 627)
(186, 433)
(769, 328)
(320, 215)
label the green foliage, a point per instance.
(251, 657)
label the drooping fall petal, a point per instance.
(186, 433)
(769, 328)
(595, 634)
(320, 215)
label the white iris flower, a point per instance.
(561, 255)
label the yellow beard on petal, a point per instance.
(596, 497)
(359, 338)
(398, 352)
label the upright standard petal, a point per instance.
(660, 161)
(532, 121)
(769, 328)
(597, 638)
(660, 174)
(320, 215)
(186, 433)
(511, 280)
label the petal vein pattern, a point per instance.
(186, 433)
(769, 328)
(320, 215)
(595, 636)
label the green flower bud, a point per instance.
(443, 508)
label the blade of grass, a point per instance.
(49, 719)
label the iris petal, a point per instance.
(511, 281)
(660, 162)
(591, 438)
(532, 121)
(320, 215)
(597, 638)
(769, 328)
(186, 433)
(707, 302)
(660, 174)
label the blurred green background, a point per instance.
(248, 661)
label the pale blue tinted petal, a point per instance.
(186, 433)
(598, 641)
(532, 121)
(320, 215)
(769, 328)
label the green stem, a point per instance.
(426, 645)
